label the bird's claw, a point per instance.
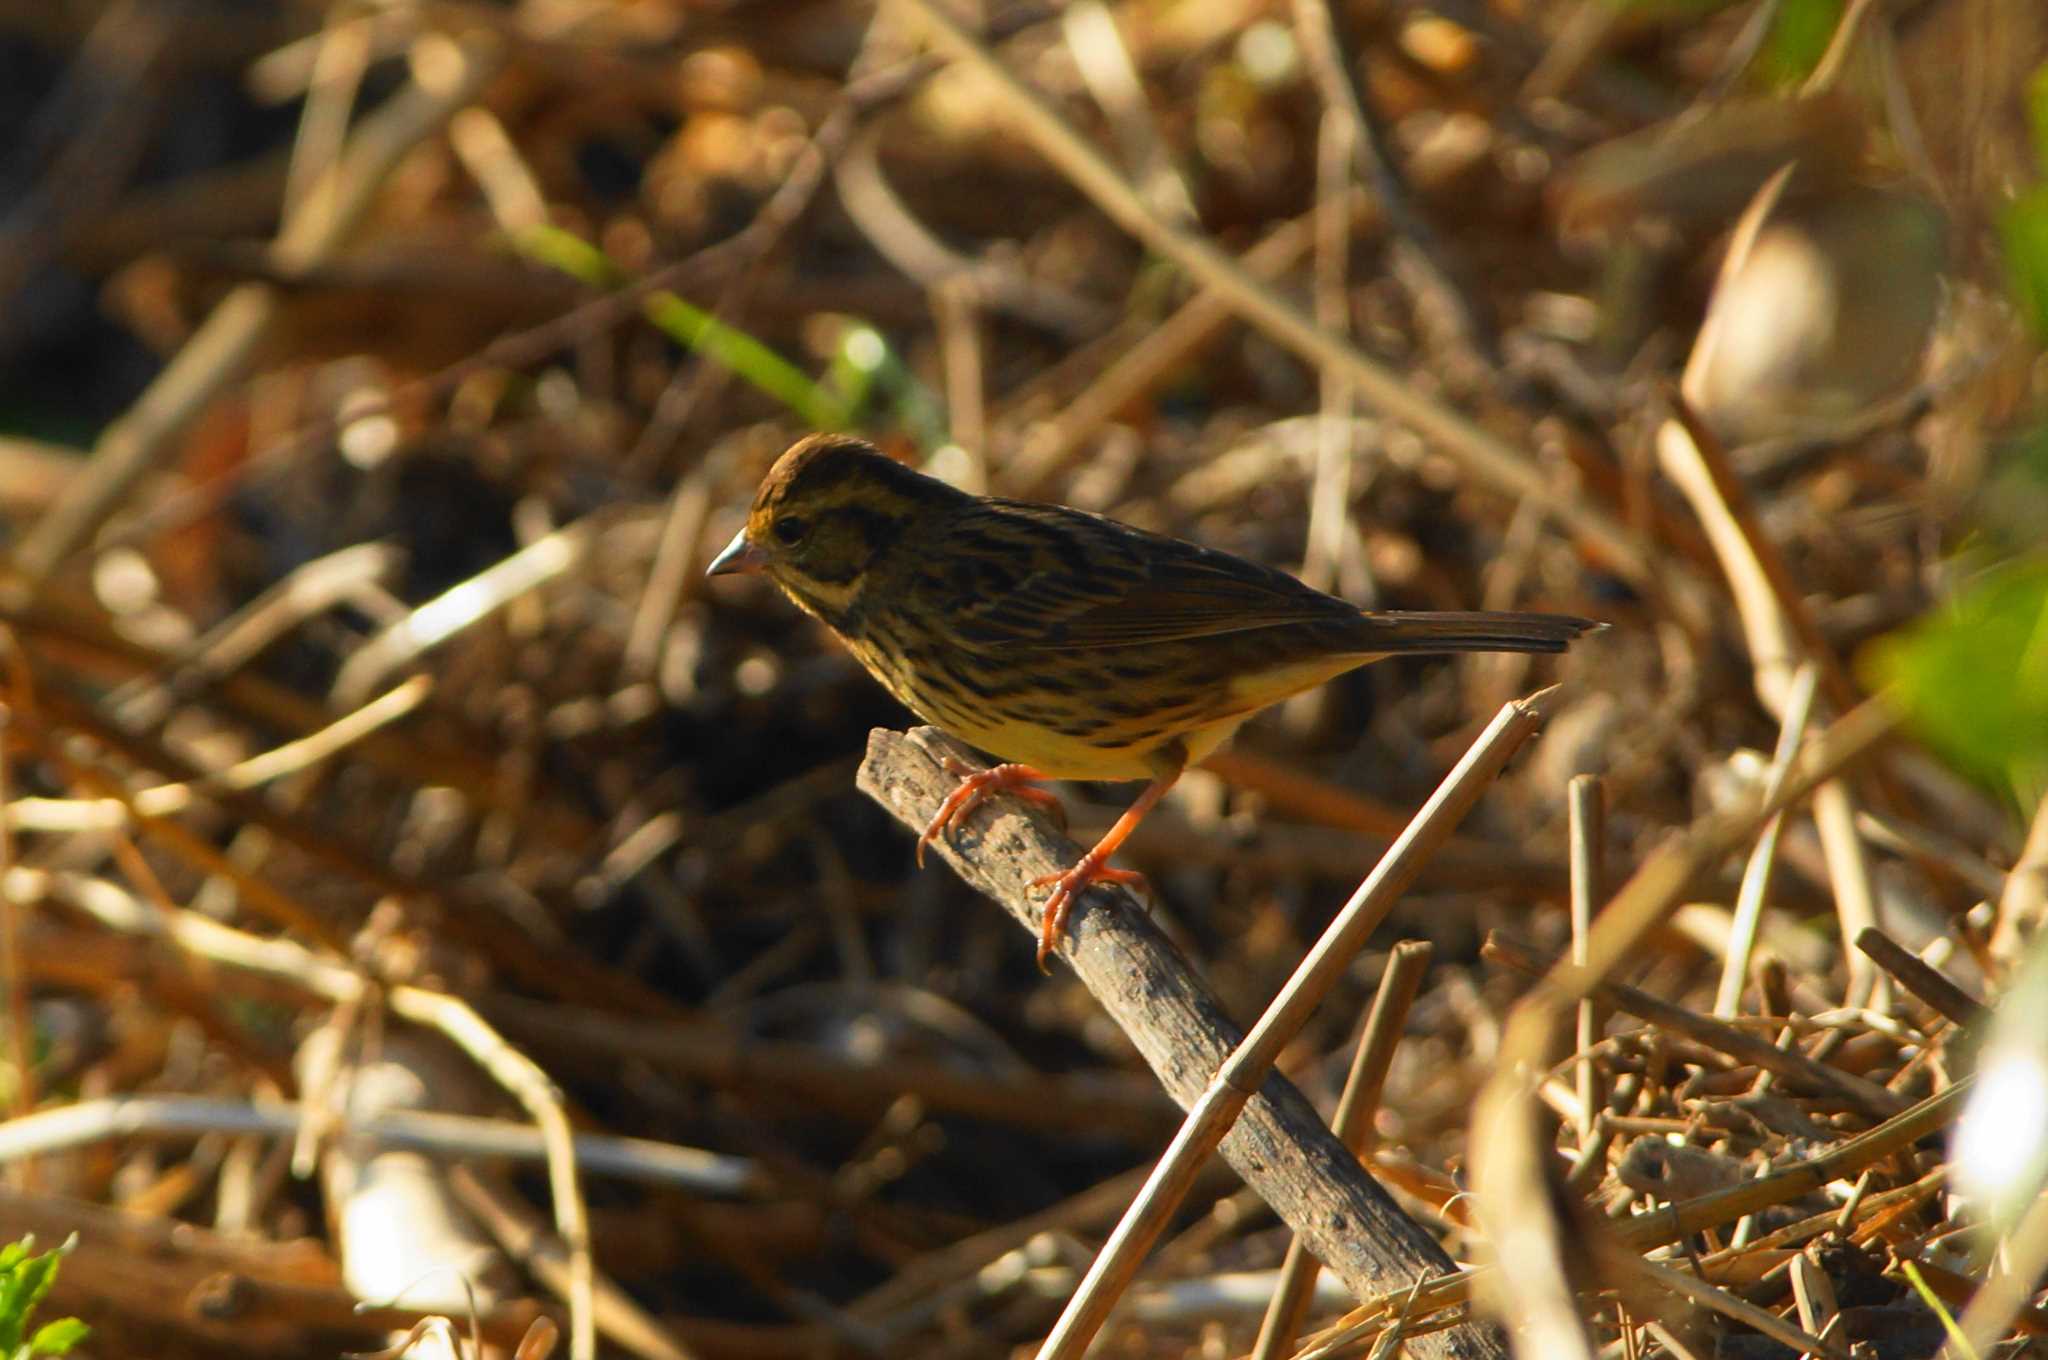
(1068, 885)
(976, 787)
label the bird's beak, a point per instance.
(739, 555)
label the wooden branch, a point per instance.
(1279, 1144)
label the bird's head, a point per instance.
(826, 511)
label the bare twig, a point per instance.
(1054, 443)
(232, 643)
(1277, 1144)
(532, 1088)
(524, 1238)
(1490, 459)
(720, 1057)
(168, 800)
(1917, 977)
(1106, 65)
(996, 283)
(20, 1026)
(2025, 899)
(1320, 27)
(1721, 1301)
(1239, 1076)
(1586, 812)
(447, 75)
(1329, 501)
(441, 1135)
(1675, 1222)
(1352, 1123)
(449, 1015)
(1859, 1092)
(2004, 1297)
(1756, 874)
(457, 608)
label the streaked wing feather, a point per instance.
(1090, 583)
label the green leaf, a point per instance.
(698, 330)
(57, 1338)
(34, 1279)
(690, 326)
(570, 254)
(2023, 232)
(2011, 505)
(2037, 113)
(1798, 39)
(24, 1280)
(1972, 679)
(1933, 1301)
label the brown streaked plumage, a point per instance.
(1066, 644)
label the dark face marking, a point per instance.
(830, 509)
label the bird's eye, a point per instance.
(791, 528)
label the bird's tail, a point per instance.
(1474, 631)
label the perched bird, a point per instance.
(1067, 645)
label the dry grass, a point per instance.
(376, 754)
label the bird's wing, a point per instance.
(1046, 576)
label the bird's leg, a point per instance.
(975, 787)
(1093, 867)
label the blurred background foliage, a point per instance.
(605, 258)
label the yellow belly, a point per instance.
(1060, 756)
(1201, 731)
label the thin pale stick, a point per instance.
(1247, 1066)
(457, 608)
(1586, 828)
(1859, 1092)
(956, 316)
(1489, 458)
(1721, 1301)
(1320, 28)
(1675, 1222)
(532, 1088)
(229, 645)
(1329, 501)
(446, 76)
(1756, 874)
(1856, 902)
(444, 1135)
(20, 1024)
(2025, 897)
(520, 1233)
(1280, 1146)
(451, 1016)
(1992, 1311)
(1353, 1124)
(1141, 365)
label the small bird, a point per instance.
(1065, 644)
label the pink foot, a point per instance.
(1067, 886)
(976, 787)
